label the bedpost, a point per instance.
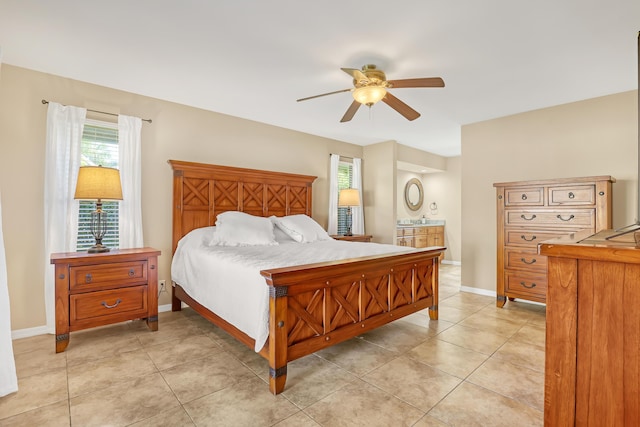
(433, 310)
(176, 304)
(277, 338)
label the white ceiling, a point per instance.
(253, 59)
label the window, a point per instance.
(99, 147)
(345, 172)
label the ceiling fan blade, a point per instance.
(424, 82)
(351, 111)
(323, 94)
(356, 74)
(402, 108)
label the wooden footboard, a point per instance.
(319, 305)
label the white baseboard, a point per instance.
(493, 294)
(478, 291)
(167, 307)
(29, 332)
(451, 262)
(41, 330)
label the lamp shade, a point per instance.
(349, 197)
(369, 95)
(97, 182)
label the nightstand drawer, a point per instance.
(90, 277)
(107, 304)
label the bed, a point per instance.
(310, 306)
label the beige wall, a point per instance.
(379, 183)
(592, 137)
(418, 157)
(177, 132)
(442, 188)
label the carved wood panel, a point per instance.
(202, 192)
(400, 288)
(423, 284)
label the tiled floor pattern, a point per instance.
(476, 366)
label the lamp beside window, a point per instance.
(98, 183)
(347, 198)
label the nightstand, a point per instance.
(354, 238)
(99, 289)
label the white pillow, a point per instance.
(301, 228)
(281, 236)
(240, 229)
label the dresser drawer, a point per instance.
(107, 304)
(572, 195)
(575, 219)
(531, 238)
(525, 259)
(90, 277)
(525, 284)
(527, 196)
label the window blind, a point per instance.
(345, 171)
(99, 146)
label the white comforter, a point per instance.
(227, 281)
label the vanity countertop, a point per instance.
(428, 223)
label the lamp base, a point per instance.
(99, 248)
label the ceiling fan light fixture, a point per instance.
(369, 95)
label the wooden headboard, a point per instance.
(202, 191)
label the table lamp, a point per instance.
(347, 198)
(98, 183)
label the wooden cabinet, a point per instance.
(592, 357)
(354, 238)
(529, 212)
(421, 236)
(98, 289)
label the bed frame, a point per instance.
(311, 306)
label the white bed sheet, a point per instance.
(227, 281)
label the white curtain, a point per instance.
(129, 130)
(332, 228)
(8, 379)
(62, 161)
(357, 211)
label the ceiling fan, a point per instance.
(370, 85)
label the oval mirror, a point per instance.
(413, 194)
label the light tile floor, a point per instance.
(476, 366)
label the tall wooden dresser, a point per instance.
(530, 212)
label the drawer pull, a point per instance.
(568, 219)
(533, 285)
(524, 196)
(117, 303)
(533, 261)
(528, 240)
(528, 219)
(571, 195)
(132, 273)
(88, 278)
